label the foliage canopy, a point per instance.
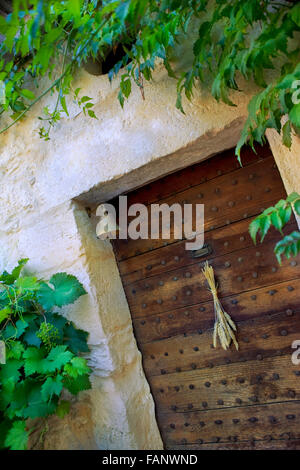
(235, 38)
(278, 216)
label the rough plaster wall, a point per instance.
(93, 160)
(84, 153)
(118, 413)
(288, 160)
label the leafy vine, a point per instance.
(278, 216)
(42, 352)
(234, 39)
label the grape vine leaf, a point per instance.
(63, 408)
(17, 436)
(4, 313)
(27, 283)
(10, 370)
(52, 386)
(78, 366)
(57, 358)
(76, 339)
(37, 407)
(15, 350)
(10, 278)
(66, 289)
(34, 362)
(82, 382)
(31, 338)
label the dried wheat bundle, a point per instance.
(224, 326)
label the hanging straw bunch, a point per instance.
(224, 326)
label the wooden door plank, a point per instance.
(285, 443)
(279, 420)
(228, 198)
(259, 338)
(174, 183)
(243, 306)
(240, 271)
(272, 380)
(221, 241)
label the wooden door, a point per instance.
(209, 398)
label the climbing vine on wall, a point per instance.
(235, 38)
(43, 352)
(278, 216)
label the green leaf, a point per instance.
(57, 358)
(295, 14)
(64, 105)
(17, 436)
(293, 197)
(28, 283)
(84, 99)
(286, 134)
(122, 10)
(285, 214)
(9, 332)
(179, 102)
(4, 428)
(7, 395)
(39, 410)
(66, 289)
(5, 313)
(265, 224)
(80, 364)
(76, 339)
(294, 115)
(77, 367)
(76, 385)
(9, 279)
(121, 98)
(74, 7)
(15, 350)
(57, 320)
(21, 327)
(296, 207)
(276, 220)
(34, 361)
(17, 270)
(52, 386)
(10, 370)
(63, 408)
(288, 246)
(27, 94)
(92, 114)
(17, 400)
(125, 86)
(31, 338)
(37, 407)
(254, 228)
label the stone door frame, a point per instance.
(126, 377)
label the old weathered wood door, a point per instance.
(209, 398)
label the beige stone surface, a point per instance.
(118, 413)
(86, 153)
(288, 160)
(90, 161)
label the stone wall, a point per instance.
(45, 187)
